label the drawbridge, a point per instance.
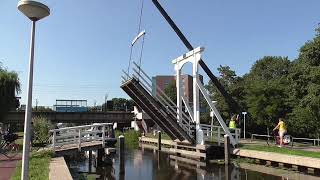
(159, 107)
(179, 125)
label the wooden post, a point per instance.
(227, 173)
(219, 136)
(54, 139)
(90, 160)
(159, 140)
(79, 140)
(100, 155)
(103, 135)
(226, 149)
(121, 146)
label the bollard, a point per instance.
(121, 154)
(159, 140)
(226, 149)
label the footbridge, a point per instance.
(74, 117)
(181, 126)
(82, 138)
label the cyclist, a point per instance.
(282, 130)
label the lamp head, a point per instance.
(33, 10)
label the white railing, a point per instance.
(171, 107)
(79, 134)
(216, 133)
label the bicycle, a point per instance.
(285, 140)
(8, 147)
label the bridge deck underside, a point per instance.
(155, 110)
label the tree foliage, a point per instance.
(171, 91)
(277, 87)
(9, 86)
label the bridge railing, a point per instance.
(80, 134)
(171, 107)
(216, 133)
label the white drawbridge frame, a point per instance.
(194, 57)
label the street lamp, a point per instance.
(34, 11)
(244, 124)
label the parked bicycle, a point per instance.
(8, 147)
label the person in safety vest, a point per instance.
(232, 123)
(282, 130)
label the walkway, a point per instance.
(264, 143)
(59, 169)
(7, 167)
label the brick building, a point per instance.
(163, 81)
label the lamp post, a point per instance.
(34, 11)
(244, 124)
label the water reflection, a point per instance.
(147, 164)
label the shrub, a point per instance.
(41, 127)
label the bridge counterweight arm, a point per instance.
(234, 106)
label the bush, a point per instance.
(131, 138)
(41, 127)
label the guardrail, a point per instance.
(315, 142)
(79, 134)
(216, 133)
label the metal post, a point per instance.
(179, 93)
(28, 114)
(159, 140)
(244, 124)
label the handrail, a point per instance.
(84, 126)
(78, 134)
(162, 98)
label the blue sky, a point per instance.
(82, 46)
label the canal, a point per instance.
(140, 165)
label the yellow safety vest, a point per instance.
(232, 124)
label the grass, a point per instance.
(38, 167)
(163, 136)
(131, 138)
(287, 151)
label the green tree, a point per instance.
(304, 94)
(266, 89)
(9, 87)
(122, 104)
(171, 91)
(232, 83)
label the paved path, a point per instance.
(297, 146)
(8, 166)
(59, 169)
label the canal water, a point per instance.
(145, 165)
